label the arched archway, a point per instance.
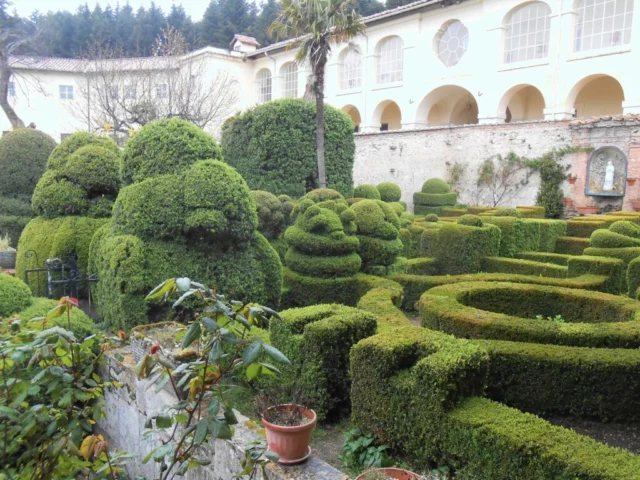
(388, 115)
(522, 103)
(448, 105)
(596, 95)
(354, 114)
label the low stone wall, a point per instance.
(409, 157)
(128, 408)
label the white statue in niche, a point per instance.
(608, 177)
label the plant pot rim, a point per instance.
(309, 413)
(389, 470)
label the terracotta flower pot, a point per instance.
(397, 473)
(587, 210)
(291, 443)
(568, 202)
(631, 182)
(572, 179)
(635, 204)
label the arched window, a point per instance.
(390, 60)
(263, 86)
(452, 42)
(603, 24)
(289, 75)
(527, 36)
(350, 69)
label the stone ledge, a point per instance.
(127, 409)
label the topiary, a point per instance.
(507, 212)
(81, 325)
(434, 195)
(273, 147)
(470, 220)
(274, 213)
(625, 227)
(316, 196)
(378, 230)
(397, 207)
(431, 217)
(56, 196)
(15, 295)
(23, 160)
(166, 146)
(61, 153)
(366, 191)
(95, 168)
(389, 192)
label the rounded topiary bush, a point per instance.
(56, 196)
(470, 220)
(625, 227)
(61, 153)
(507, 212)
(15, 295)
(431, 217)
(378, 230)
(273, 146)
(166, 146)
(274, 213)
(95, 168)
(23, 160)
(389, 192)
(366, 191)
(81, 324)
(434, 195)
(435, 185)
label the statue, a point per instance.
(608, 177)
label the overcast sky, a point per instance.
(195, 8)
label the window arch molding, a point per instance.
(601, 24)
(527, 32)
(350, 68)
(264, 83)
(389, 54)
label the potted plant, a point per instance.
(568, 202)
(388, 473)
(572, 178)
(7, 254)
(588, 210)
(631, 181)
(635, 204)
(288, 427)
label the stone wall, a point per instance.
(409, 157)
(128, 408)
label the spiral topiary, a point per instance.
(366, 191)
(434, 195)
(378, 230)
(470, 220)
(166, 146)
(389, 192)
(15, 295)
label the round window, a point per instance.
(452, 43)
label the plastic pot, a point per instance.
(397, 473)
(291, 443)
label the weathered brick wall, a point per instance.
(410, 157)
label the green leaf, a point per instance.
(192, 335)
(164, 288)
(201, 432)
(251, 352)
(220, 430)
(210, 325)
(273, 456)
(253, 371)
(230, 416)
(163, 421)
(214, 407)
(276, 354)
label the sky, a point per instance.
(195, 8)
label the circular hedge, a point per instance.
(166, 146)
(15, 295)
(389, 192)
(508, 311)
(366, 191)
(273, 146)
(23, 160)
(61, 153)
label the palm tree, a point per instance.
(317, 24)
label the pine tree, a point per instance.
(264, 20)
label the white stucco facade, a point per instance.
(551, 60)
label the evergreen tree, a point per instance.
(125, 24)
(264, 20)
(369, 7)
(82, 34)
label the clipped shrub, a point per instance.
(435, 186)
(317, 340)
(81, 325)
(470, 220)
(273, 147)
(612, 268)
(56, 196)
(583, 229)
(166, 146)
(23, 160)
(609, 239)
(378, 230)
(523, 267)
(389, 192)
(366, 191)
(397, 207)
(94, 168)
(15, 295)
(460, 248)
(274, 213)
(435, 194)
(507, 212)
(633, 277)
(61, 153)
(550, 232)
(572, 245)
(406, 219)
(625, 227)
(431, 217)
(517, 235)
(626, 254)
